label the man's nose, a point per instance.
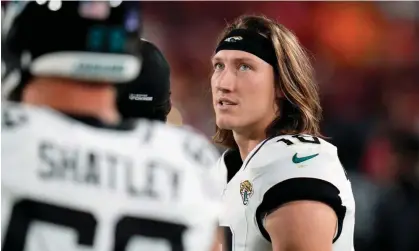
(227, 81)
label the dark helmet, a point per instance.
(93, 41)
(148, 96)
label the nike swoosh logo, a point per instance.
(297, 160)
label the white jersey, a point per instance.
(280, 170)
(68, 185)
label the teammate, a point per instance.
(287, 189)
(74, 175)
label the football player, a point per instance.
(287, 189)
(74, 175)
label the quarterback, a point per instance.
(286, 188)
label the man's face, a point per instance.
(243, 90)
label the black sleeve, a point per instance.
(300, 189)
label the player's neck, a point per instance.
(75, 98)
(247, 142)
(247, 138)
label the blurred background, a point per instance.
(366, 55)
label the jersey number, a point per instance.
(26, 211)
(302, 139)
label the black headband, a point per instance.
(251, 42)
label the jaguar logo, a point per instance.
(246, 191)
(233, 39)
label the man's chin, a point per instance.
(225, 125)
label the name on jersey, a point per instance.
(106, 170)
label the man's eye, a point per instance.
(218, 66)
(244, 67)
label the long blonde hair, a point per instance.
(300, 110)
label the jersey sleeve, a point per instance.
(302, 171)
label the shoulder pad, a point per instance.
(287, 146)
(197, 147)
(303, 157)
(200, 149)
